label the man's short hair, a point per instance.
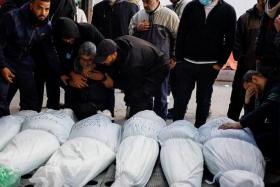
(88, 49)
(249, 76)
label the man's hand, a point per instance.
(7, 75)
(277, 23)
(250, 91)
(143, 26)
(172, 63)
(235, 125)
(78, 81)
(108, 83)
(217, 67)
(96, 75)
(64, 79)
(87, 71)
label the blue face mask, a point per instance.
(205, 2)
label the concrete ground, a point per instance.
(220, 100)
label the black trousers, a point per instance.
(237, 94)
(44, 76)
(138, 103)
(188, 75)
(25, 83)
(268, 140)
(87, 101)
(4, 106)
(83, 110)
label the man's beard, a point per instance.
(35, 20)
(41, 18)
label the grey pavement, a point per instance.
(220, 100)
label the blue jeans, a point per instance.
(45, 76)
(25, 83)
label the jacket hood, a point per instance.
(66, 28)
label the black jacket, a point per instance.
(140, 68)
(208, 39)
(62, 8)
(82, 32)
(59, 8)
(267, 50)
(19, 33)
(11, 5)
(113, 21)
(247, 30)
(268, 109)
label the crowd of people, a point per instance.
(147, 54)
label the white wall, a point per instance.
(241, 6)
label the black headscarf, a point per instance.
(66, 28)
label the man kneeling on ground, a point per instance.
(264, 119)
(93, 96)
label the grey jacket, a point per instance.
(164, 25)
(178, 7)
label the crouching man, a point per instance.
(93, 96)
(264, 119)
(135, 66)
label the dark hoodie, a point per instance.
(82, 32)
(139, 70)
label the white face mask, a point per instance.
(271, 12)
